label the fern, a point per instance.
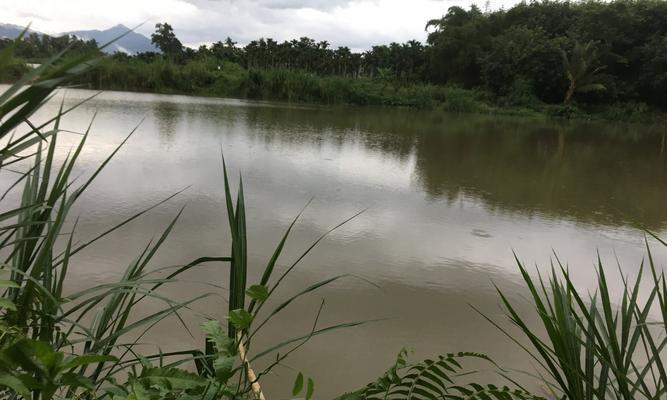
(433, 379)
(474, 391)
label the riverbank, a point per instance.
(207, 78)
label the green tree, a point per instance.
(653, 76)
(165, 39)
(457, 46)
(527, 58)
(580, 70)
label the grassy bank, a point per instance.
(226, 79)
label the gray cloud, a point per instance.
(298, 4)
(358, 24)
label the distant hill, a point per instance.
(12, 31)
(131, 43)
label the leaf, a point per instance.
(75, 380)
(7, 304)
(590, 87)
(8, 284)
(258, 292)
(310, 388)
(430, 379)
(14, 384)
(216, 334)
(88, 359)
(241, 319)
(171, 378)
(298, 385)
(224, 367)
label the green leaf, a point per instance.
(88, 359)
(15, 384)
(8, 284)
(216, 334)
(138, 392)
(224, 367)
(310, 388)
(258, 292)
(241, 319)
(298, 385)
(75, 380)
(9, 305)
(591, 87)
(172, 378)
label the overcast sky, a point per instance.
(354, 23)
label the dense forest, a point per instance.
(589, 55)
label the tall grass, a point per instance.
(210, 78)
(604, 345)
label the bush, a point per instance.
(563, 111)
(461, 100)
(12, 71)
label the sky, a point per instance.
(357, 24)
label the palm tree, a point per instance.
(579, 70)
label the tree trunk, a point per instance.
(569, 93)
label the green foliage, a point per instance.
(432, 379)
(258, 293)
(528, 57)
(516, 54)
(12, 71)
(652, 79)
(157, 383)
(525, 57)
(165, 40)
(240, 319)
(461, 100)
(298, 384)
(595, 349)
(297, 388)
(457, 46)
(28, 365)
(39, 48)
(581, 71)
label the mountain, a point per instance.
(12, 31)
(131, 43)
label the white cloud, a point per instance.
(354, 23)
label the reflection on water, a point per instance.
(448, 197)
(590, 172)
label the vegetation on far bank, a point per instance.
(573, 59)
(206, 78)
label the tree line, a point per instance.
(37, 47)
(399, 60)
(547, 51)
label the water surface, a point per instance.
(448, 198)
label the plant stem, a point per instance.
(250, 373)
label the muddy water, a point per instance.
(448, 198)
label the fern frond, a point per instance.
(434, 379)
(475, 391)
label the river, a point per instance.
(447, 199)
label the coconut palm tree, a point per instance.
(580, 70)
